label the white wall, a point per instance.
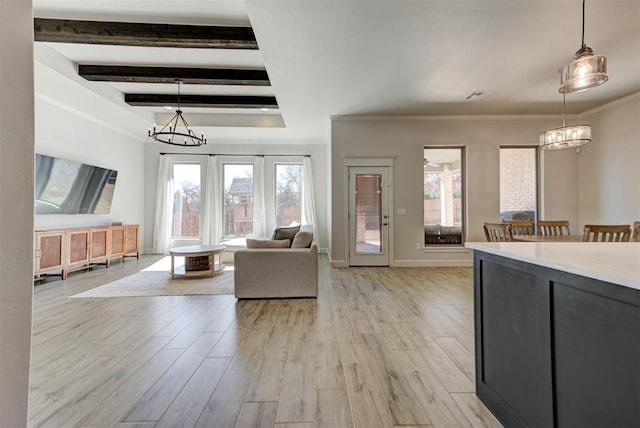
(318, 153)
(16, 215)
(609, 167)
(403, 140)
(75, 123)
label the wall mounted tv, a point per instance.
(67, 187)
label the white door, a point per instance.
(368, 216)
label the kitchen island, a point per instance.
(557, 329)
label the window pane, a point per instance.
(288, 195)
(518, 183)
(368, 213)
(238, 202)
(443, 187)
(186, 203)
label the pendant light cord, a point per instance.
(179, 82)
(583, 7)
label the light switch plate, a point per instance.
(402, 211)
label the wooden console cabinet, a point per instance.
(66, 250)
(49, 253)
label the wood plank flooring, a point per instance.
(380, 347)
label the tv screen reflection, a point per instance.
(68, 187)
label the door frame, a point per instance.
(367, 162)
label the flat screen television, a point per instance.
(68, 187)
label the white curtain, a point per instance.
(164, 206)
(308, 198)
(212, 205)
(259, 220)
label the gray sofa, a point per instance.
(270, 273)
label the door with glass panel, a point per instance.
(369, 216)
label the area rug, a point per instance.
(156, 281)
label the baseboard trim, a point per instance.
(339, 264)
(432, 263)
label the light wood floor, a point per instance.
(380, 347)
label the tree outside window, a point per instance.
(289, 179)
(186, 202)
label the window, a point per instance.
(443, 195)
(518, 183)
(288, 194)
(238, 201)
(186, 203)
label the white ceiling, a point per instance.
(379, 57)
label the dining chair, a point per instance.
(498, 232)
(606, 233)
(521, 227)
(635, 235)
(553, 227)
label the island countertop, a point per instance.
(617, 263)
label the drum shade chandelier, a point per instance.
(586, 71)
(169, 133)
(566, 136)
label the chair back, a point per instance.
(606, 233)
(553, 227)
(521, 227)
(498, 232)
(635, 235)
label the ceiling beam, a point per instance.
(207, 101)
(143, 34)
(189, 76)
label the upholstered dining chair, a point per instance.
(606, 233)
(635, 234)
(521, 227)
(498, 232)
(553, 227)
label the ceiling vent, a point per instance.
(477, 95)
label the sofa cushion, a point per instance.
(268, 243)
(302, 239)
(286, 233)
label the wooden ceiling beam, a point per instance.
(189, 76)
(206, 101)
(143, 34)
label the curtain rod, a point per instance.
(230, 154)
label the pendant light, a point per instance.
(566, 136)
(169, 134)
(586, 71)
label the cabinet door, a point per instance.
(49, 254)
(132, 241)
(99, 244)
(78, 247)
(117, 240)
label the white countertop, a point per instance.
(618, 263)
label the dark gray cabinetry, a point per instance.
(555, 349)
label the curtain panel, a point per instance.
(164, 206)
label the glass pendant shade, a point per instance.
(586, 71)
(565, 137)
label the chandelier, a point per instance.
(586, 71)
(169, 133)
(566, 136)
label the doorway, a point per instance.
(369, 216)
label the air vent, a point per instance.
(477, 95)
